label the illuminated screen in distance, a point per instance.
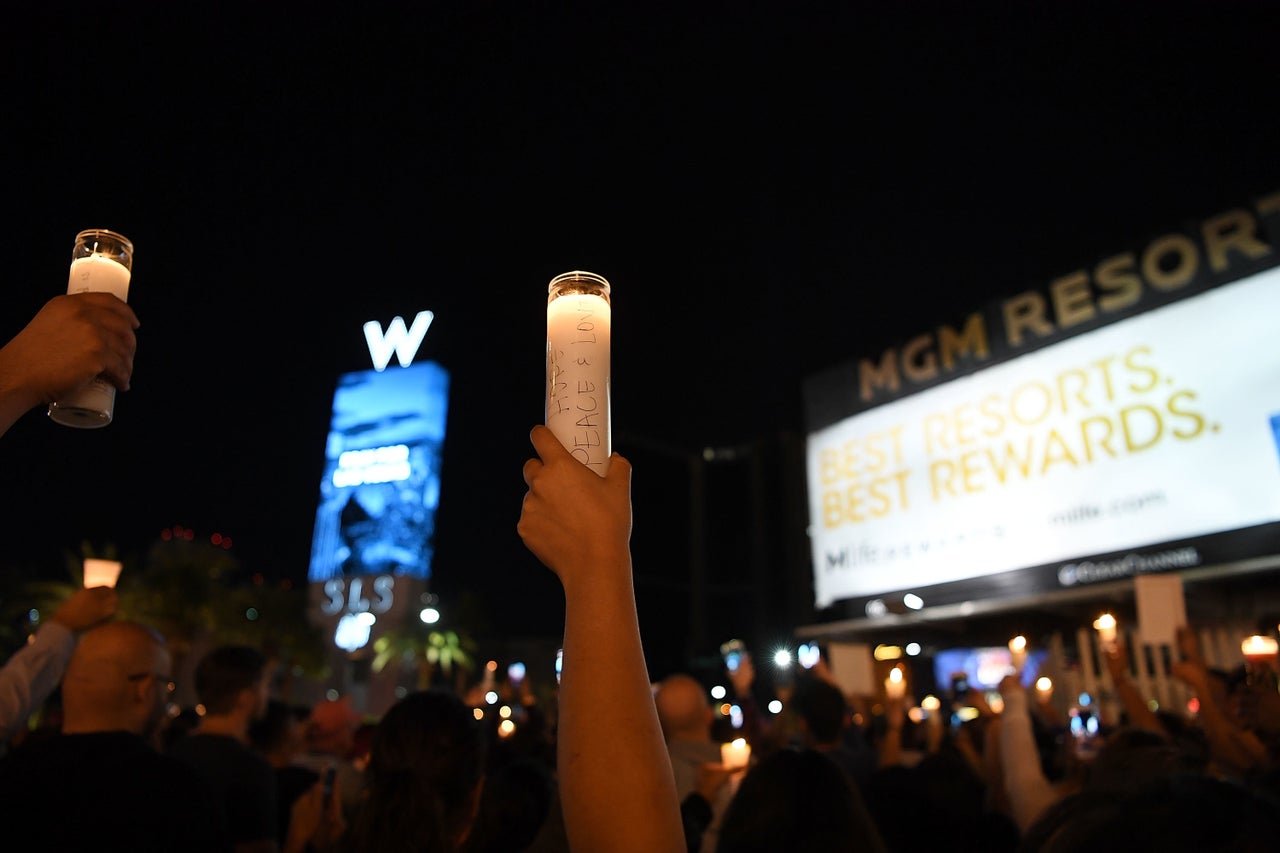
(1157, 431)
(381, 483)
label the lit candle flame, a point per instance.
(894, 686)
(1259, 646)
(1018, 650)
(1106, 627)
(735, 754)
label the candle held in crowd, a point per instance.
(1018, 649)
(1106, 627)
(579, 318)
(102, 260)
(735, 754)
(1259, 649)
(100, 572)
(895, 686)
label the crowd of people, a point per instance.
(831, 772)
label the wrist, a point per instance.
(62, 623)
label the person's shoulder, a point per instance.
(297, 773)
(212, 750)
(92, 748)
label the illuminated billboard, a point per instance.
(381, 483)
(1144, 441)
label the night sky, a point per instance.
(771, 188)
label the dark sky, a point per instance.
(772, 188)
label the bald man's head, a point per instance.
(683, 708)
(116, 680)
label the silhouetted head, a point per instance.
(424, 777)
(1180, 814)
(233, 680)
(117, 680)
(822, 708)
(797, 799)
(683, 708)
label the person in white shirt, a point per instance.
(35, 670)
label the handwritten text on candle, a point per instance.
(577, 371)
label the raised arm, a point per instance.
(1027, 790)
(1138, 712)
(1234, 750)
(616, 784)
(35, 670)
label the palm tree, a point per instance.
(427, 649)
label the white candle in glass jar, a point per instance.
(96, 273)
(578, 363)
(101, 260)
(99, 273)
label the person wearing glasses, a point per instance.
(100, 783)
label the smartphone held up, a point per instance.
(732, 652)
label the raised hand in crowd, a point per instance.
(1235, 750)
(316, 823)
(1027, 790)
(86, 608)
(1115, 656)
(618, 792)
(31, 675)
(72, 339)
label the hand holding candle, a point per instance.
(1260, 655)
(736, 754)
(101, 260)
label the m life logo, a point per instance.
(397, 339)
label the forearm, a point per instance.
(15, 400)
(31, 675)
(1027, 790)
(1136, 708)
(616, 782)
(1235, 750)
(890, 746)
(753, 725)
